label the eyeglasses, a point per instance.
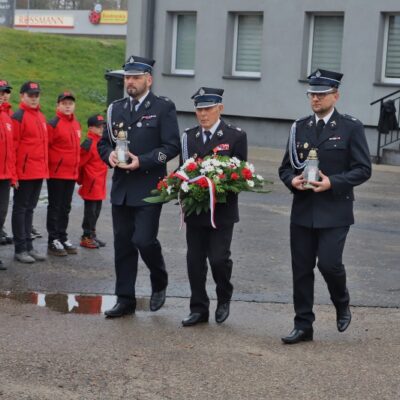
(319, 96)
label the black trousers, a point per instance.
(4, 200)
(135, 231)
(90, 216)
(214, 244)
(308, 245)
(60, 197)
(25, 201)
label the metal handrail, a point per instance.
(384, 97)
(393, 136)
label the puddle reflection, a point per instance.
(64, 303)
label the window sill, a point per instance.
(387, 84)
(178, 75)
(243, 78)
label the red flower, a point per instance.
(246, 173)
(221, 176)
(234, 176)
(191, 167)
(202, 182)
(161, 184)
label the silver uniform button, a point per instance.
(139, 124)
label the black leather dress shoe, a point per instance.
(343, 318)
(195, 318)
(222, 312)
(119, 310)
(157, 300)
(298, 335)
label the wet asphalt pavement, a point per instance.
(52, 351)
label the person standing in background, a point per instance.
(31, 155)
(7, 159)
(93, 181)
(64, 149)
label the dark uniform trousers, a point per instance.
(25, 201)
(326, 245)
(60, 193)
(91, 214)
(130, 239)
(206, 242)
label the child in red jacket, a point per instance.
(92, 178)
(64, 152)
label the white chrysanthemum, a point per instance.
(169, 189)
(259, 177)
(219, 171)
(202, 171)
(185, 187)
(209, 168)
(250, 183)
(251, 167)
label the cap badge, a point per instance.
(33, 85)
(318, 74)
(131, 60)
(202, 92)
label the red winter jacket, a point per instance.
(7, 108)
(30, 143)
(92, 170)
(7, 156)
(64, 146)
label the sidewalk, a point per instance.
(46, 354)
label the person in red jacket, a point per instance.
(92, 178)
(31, 156)
(64, 148)
(6, 152)
(7, 161)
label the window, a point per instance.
(247, 45)
(326, 37)
(183, 44)
(391, 59)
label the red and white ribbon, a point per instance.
(211, 189)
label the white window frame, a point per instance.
(250, 74)
(384, 79)
(175, 70)
(311, 40)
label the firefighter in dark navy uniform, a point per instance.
(211, 136)
(321, 215)
(151, 126)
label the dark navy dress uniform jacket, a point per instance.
(343, 156)
(153, 135)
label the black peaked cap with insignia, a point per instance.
(138, 66)
(323, 81)
(207, 97)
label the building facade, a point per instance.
(261, 51)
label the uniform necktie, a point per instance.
(134, 103)
(320, 127)
(208, 136)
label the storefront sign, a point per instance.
(44, 21)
